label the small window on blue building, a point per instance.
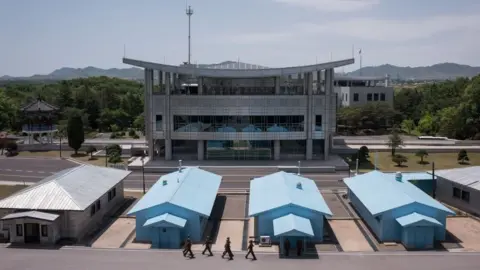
(466, 196)
(456, 192)
(164, 229)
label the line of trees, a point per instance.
(450, 109)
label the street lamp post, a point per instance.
(299, 164)
(143, 172)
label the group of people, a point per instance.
(187, 249)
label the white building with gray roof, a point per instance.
(460, 188)
(67, 205)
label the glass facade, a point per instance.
(239, 150)
(293, 149)
(206, 123)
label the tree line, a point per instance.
(450, 109)
(104, 104)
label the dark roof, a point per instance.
(39, 106)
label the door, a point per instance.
(32, 232)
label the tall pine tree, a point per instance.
(75, 132)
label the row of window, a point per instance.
(461, 194)
(43, 230)
(98, 204)
(190, 123)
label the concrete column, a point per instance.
(168, 149)
(160, 81)
(149, 111)
(309, 152)
(167, 117)
(310, 119)
(319, 82)
(200, 149)
(328, 111)
(277, 85)
(200, 86)
(276, 150)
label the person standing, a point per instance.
(188, 248)
(208, 246)
(286, 247)
(250, 251)
(228, 249)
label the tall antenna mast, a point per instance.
(189, 12)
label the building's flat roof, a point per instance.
(237, 73)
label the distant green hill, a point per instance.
(436, 72)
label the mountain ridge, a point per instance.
(441, 71)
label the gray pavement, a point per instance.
(118, 259)
(35, 169)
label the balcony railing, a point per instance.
(38, 128)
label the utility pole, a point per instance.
(189, 12)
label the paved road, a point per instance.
(34, 170)
(118, 259)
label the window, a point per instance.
(111, 194)
(465, 196)
(346, 97)
(382, 96)
(19, 230)
(99, 205)
(318, 122)
(92, 210)
(355, 97)
(369, 97)
(158, 123)
(44, 230)
(456, 192)
(375, 97)
(114, 192)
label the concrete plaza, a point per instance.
(92, 259)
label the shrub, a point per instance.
(399, 159)
(113, 135)
(122, 133)
(113, 149)
(421, 154)
(136, 136)
(132, 133)
(462, 157)
(90, 150)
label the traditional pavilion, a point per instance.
(40, 118)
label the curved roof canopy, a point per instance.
(237, 73)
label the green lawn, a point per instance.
(81, 156)
(6, 190)
(442, 161)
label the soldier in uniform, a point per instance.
(250, 251)
(299, 247)
(286, 247)
(228, 249)
(208, 246)
(188, 248)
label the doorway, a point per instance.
(32, 232)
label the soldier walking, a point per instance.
(188, 248)
(250, 251)
(208, 246)
(286, 247)
(228, 250)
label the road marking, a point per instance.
(41, 172)
(29, 171)
(18, 170)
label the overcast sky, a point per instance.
(39, 36)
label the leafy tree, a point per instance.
(363, 154)
(399, 159)
(421, 154)
(139, 123)
(75, 133)
(462, 157)
(394, 141)
(112, 149)
(427, 125)
(132, 133)
(90, 150)
(408, 126)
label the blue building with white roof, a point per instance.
(178, 205)
(289, 206)
(398, 211)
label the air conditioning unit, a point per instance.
(265, 241)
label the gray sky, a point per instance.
(39, 36)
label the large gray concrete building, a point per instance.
(198, 113)
(360, 90)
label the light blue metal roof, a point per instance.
(280, 189)
(192, 188)
(380, 192)
(165, 220)
(292, 225)
(416, 219)
(419, 176)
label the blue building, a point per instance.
(289, 206)
(178, 205)
(396, 210)
(422, 180)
